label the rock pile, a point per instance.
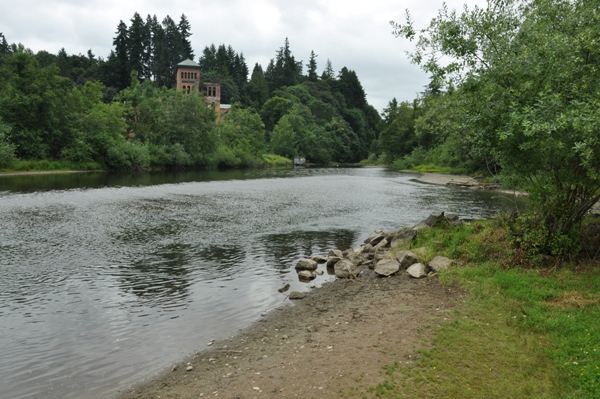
(376, 254)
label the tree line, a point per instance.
(123, 112)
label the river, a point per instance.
(107, 279)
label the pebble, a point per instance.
(189, 368)
(256, 388)
(210, 343)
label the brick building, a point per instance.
(188, 81)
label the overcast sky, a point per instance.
(351, 33)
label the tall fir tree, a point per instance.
(121, 57)
(185, 32)
(137, 36)
(328, 72)
(312, 67)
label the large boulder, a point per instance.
(440, 263)
(346, 269)
(435, 219)
(387, 267)
(406, 259)
(418, 270)
(403, 238)
(306, 264)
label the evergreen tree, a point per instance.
(312, 67)
(121, 59)
(208, 59)
(184, 31)
(160, 56)
(4, 46)
(136, 39)
(173, 50)
(148, 52)
(328, 72)
(258, 90)
(349, 86)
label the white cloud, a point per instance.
(350, 33)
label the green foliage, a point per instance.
(528, 92)
(180, 123)
(56, 108)
(241, 138)
(7, 149)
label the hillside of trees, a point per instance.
(123, 112)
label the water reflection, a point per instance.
(284, 250)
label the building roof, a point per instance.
(188, 64)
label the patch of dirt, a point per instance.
(335, 342)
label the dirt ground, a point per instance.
(334, 343)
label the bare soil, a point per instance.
(334, 343)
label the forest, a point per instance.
(123, 112)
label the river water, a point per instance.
(108, 279)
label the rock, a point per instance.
(368, 248)
(376, 240)
(369, 263)
(319, 272)
(306, 275)
(306, 264)
(297, 295)
(387, 267)
(189, 368)
(418, 270)
(453, 220)
(406, 259)
(346, 269)
(440, 263)
(382, 244)
(335, 253)
(433, 220)
(284, 288)
(403, 238)
(319, 258)
(353, 255)
(332, 260)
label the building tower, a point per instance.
(188, 76)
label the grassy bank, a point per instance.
(47, 166)
(523, 332)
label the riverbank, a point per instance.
(49, 172)
(334, 341)
(486, 327)
(465, 181)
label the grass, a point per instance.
(48, 165)
(522, 332)
(276, 161)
